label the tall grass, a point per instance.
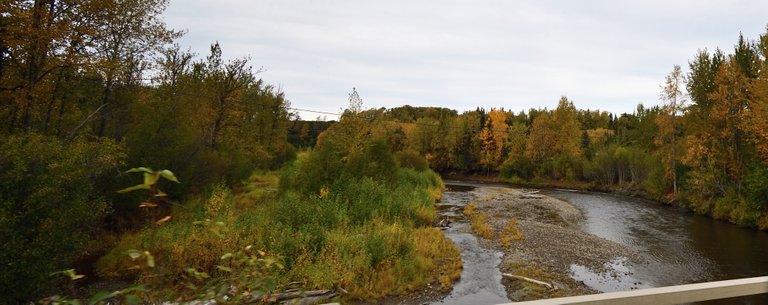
(370, 237)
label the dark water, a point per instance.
(480, 278)
(677, 246)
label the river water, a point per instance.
(678, 247)
(480, 278)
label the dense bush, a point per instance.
(49, 204)
(518, 166)
(412, 159)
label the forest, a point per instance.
(704, 147)
(96, 96)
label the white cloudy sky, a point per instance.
(608, 55)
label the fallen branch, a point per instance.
(276, 297)
(310, 300)
(530, 280)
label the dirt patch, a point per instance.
(551, 242)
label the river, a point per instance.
(678, 247)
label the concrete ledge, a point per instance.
(668, 295)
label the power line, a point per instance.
(313, 111)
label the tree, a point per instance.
(225, 84)
(41, 42)
(731, 99)
(125, 33)
(558, 133)
(676, 99)
(756, 118)
(494, 137)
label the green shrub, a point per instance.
(411, 159)
(376, 247)
(518, 166)
(757, 188)
(48, 202)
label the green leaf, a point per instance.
(150, 259)
(222, 268)
(169, 175)
(140, 170)
(150, 179)
(75, 302)
(134, 288)
(132, 300)
(133, 253)
(99, 296)
(133, 188)
(226, 256)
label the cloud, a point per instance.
(464, 54)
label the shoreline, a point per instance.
(552, 244)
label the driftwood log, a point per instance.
(530, 280)
(530, 195)
(304, 297)
(293, 298)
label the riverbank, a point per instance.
(627, 190)
(551, 247)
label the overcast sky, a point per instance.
(608, 55)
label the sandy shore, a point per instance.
(551, 244)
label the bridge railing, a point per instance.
(667, 295)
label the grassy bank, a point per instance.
(368, 237)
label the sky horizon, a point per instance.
(517, 55)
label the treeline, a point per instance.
(705, 147)
(91, 88)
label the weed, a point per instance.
(510, 233)
(478, 222)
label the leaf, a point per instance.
(132, 300)
(169, 175)
(133, 188)
(139, 170)
(150, 258)
(222, 268)
(134, 254)
(99, 296)
(226, 256)
(150, 179)
(70, 273)
(134, 288)
(162, 221)
(147, 204)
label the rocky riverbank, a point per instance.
(551, 246)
